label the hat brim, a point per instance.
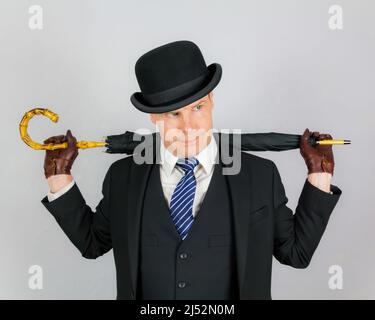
(215, 72)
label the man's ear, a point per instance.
(211, 97)
(152, 118)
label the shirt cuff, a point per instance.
(52, 196)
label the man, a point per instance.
(179, 228)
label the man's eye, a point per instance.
(199, 106)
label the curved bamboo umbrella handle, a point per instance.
(50, 146)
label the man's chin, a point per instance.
(186, 151)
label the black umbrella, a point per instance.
(128, 141)
(270, 141)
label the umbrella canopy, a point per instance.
(270, 141)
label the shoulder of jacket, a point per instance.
(257, 161)
(122, 164)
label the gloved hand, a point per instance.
(318, 158)
(60, 161)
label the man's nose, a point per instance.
(186, 124)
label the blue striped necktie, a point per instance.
(181, 205)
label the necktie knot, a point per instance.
(187, 164)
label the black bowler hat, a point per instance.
(172, 76)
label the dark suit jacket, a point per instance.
(264, 225)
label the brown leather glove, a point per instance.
(60, 161)
(318, 158)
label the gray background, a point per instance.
(283, 70)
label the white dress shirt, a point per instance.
(170, 174)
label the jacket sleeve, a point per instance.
(89, 231)
(296, 236)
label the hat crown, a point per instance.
(169, 65)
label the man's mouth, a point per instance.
(190, 141)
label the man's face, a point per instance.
(187, 130)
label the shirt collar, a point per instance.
(206, 157)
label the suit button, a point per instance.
(183, 255)
(182, 284)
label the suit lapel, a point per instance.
(139, 175)
(239, 191)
